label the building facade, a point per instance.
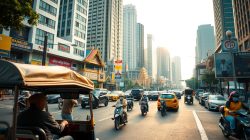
(176, 71)
(150, 54)
(105, 28)
(163, 62)
(224, 19)
(27, 44)
(129, 36)
(205, 42)
(242, 23)
(140, 45)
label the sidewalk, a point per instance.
(7, 97)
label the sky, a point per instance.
(173, 24)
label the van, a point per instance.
(137, 93)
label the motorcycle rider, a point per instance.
(232, 105)
(123, 101)
(145, 99)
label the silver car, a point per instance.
(214, 102)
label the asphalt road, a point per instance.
(191, 122)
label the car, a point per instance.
(198, 94)
(203, 98)
(99, 97)
(170, 99)
(53, 98)
(178, 94)
(153, 95)
(137, 93)
(114, 95)
(214, 102)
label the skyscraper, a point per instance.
(205, 42)
(72, 22)
(163, 62)
(224, 20)
(241, 14)
(140, 45)
(150, 54)
(176, 71)
(105, 28)
(129, 36)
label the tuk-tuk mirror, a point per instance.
(69, 95)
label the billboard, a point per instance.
(5, 45)
(242, 64)
(118, 69)
(224, 65)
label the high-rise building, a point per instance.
(242, 23)
(150, 54)
(224, 20)
(72, 23)
(163, 62)
(129, 36)
(205, 42)
(140, 45)
(176, 71)
(105, 28)
(27, 44)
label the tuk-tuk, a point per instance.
(46, 80)
(188, 96)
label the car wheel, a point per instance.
(106, 103)
(83, 106)
(208, 107)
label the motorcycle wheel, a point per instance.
(163, 112)
(142, 112)
(245, 135)
(226, 134)
(117, 123)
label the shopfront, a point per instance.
(94, 68)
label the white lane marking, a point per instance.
(105, 119)
(56, 112)
(200, 127)
(199, 110)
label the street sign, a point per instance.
(230, 45)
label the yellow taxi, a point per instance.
(170, 99)
(114, 95)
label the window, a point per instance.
(40, 38)
(78, 52)
(47, 8)
(79, 43)
(46, 21)
(67, 32)
(55, 1)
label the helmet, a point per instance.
(234, 94)
(121, 95)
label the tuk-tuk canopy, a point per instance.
(56, 79)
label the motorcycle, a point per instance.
(22, 103)
(119, 116)
(130, 104)
(60, 103)
(144, 108)
(242, 125)
(163, 108)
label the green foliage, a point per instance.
(13, 13)
(192, 82)
(209, 78)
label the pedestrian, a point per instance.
(67, 109)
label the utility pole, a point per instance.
(45, 49)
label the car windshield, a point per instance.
(205, 94)
(167, 96)
(115, 92)
(217, 98)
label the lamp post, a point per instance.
(45, 49)
(229, 35)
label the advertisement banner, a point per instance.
(242, 64)
(21, 44)
(224, 65)
(60, 62)
(5, 45)
(118, 69)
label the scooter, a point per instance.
(144, 108)
(163, 108)
(119, 116)
(130, 104)
(242, 125)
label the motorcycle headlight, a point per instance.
(116, 115)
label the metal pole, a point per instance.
(14, 117)
(45, 49)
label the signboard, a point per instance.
(64, 48)
(60, 62)
(242, 64)
(91, 75)
(224, 65)
(118, 69)
(5, 45)
(21, 44)
(230, 45)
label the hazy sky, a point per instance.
(173, 24)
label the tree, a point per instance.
(192, 82)
(13, 13)
(209, 78)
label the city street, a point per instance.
(189, 123)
